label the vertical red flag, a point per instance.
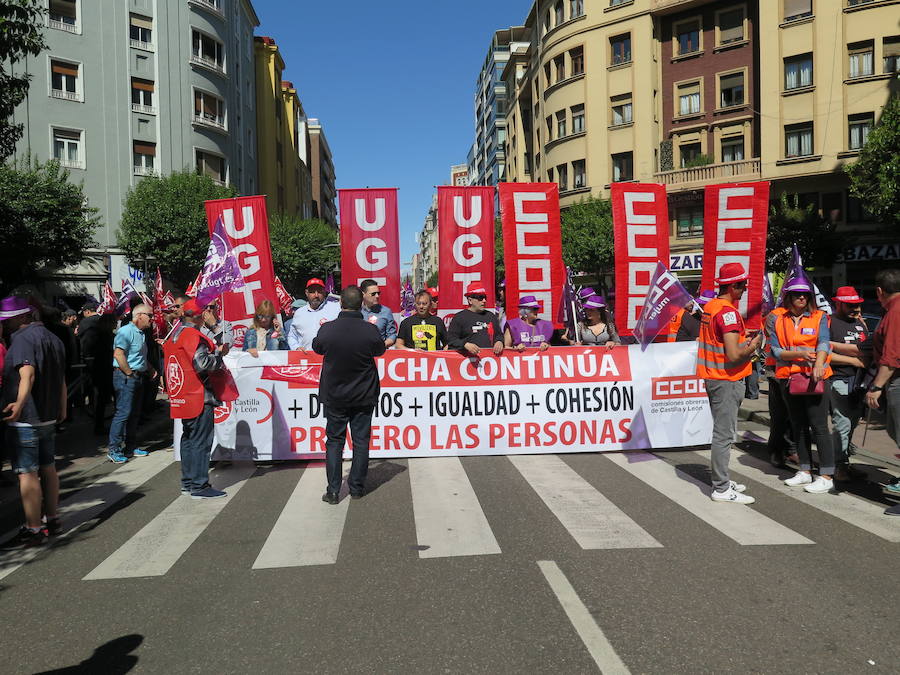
(641, 239)
(247, 227)
(370, 240)
(735, 224)
(532, 246)
(465, 242)
(284, 298)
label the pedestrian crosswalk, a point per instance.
(449, 517)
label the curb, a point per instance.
(763, 418)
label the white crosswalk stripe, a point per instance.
(592, 520)
(741, 523)
(161, 542)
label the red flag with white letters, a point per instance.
(465, 243)
(641, 239)
(532, 246)
(735, 225)
(370, 240)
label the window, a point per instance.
(621, 49)
(798, 72)
(547, 20)
(550, 175)
(547, 74)
(862, 58)
(623, 168)
(64, 80)
(578, 176)
(562, 171)
(141, 29)
(549, 122)
(211, 165)
(577, 119)
(209, 109)
(559, 66)
(576, 8)
(731, 90)
(689, 152)
(730, 25)
(733, 149)
(142, 94)
(561, 124)
(891, 54)
(689, 98)
(558, 13)
(144, 154)
(689, 222)
(797, 9)
(207, 51)
(67, 148)
(621, 109)
(859, 128)
(798, 140)
(833, 206)
(576, 56)
(63, 15)
(687, 37)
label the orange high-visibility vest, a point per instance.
(712, 364)
(674, 325)
(770, 359)
(802, 337)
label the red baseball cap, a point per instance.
(315, 282)
(847, 294)
(731, 273)
(192, 308)
(475, 289)
(433, 292)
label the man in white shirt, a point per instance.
(307, 320)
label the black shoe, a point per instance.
(27, 538)
(776, 459)
(357, 494)
(53, 526)
(893, 510)
(330, 498)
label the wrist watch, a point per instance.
(875, 388)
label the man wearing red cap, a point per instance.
(848, 333)
(308, 319)
(475, 328)
(723, 361)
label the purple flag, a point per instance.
(665, 298)
(329, 285)
(569, 308)
(407, 300)
(221, 272)
(127, 291)
(768, 301)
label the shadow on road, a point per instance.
(111, 658)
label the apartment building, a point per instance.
(428, 241)
(134, 87)
(459, 175)
(283, 138)
(321, 166)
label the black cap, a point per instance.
(91, 305)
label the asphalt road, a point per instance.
(572, 563)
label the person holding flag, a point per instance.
(723, 361)
(597, 327)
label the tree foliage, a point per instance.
(302, 249)
(875, 177)
(587, 236)
(44, 220)
(790, 223)
(499, 263)
(164, 218)
(21, 35)
(432, 280)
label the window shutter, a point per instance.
(144, 85)
(145, 148)
(64, 68)
(891, 47)
(797, 8)
(733, 80)
(732, 26)
(141, 21)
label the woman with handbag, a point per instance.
(800, 345)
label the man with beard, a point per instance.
(308, 319)
(475, 328)
(422, 330)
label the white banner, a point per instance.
(566, 399)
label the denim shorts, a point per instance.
(31, 447)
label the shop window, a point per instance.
(689, 222)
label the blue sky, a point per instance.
(393, 84)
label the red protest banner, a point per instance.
(370, 240)
(465, 243)
(532, 246)
(641, 239)
(735, 222)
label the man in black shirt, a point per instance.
(475, 328)
(848, 335)
(422, 330)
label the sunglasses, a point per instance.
(374, 292)
(265, 316)
(478, 297)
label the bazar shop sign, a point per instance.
(867, 252)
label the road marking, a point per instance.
(849, 508)
(89, 502)
(161, 542)
(737, 521)
(449, 518)
(308, 531)
(592, 520)
(593, 638)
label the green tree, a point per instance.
(21, 35)
(44, 220)
(790, 223)
(587, 236)
(499, 263)
(432, 280)
(875, 177)
(165, 219)
(302, 249)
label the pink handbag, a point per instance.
(801, 384)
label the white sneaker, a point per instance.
(800, 478)
(737, 487)
(732, 496)
(820, 485)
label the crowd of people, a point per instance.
(818, 366)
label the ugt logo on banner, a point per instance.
(466, 242)
(370, 241)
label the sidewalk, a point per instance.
(878, 446)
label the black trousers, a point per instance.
(809, 421)
(360, 422)
(781, 439)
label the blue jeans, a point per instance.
(123, 428)
(846, 409)
(196, 447)
(360, 421)
(31, 447)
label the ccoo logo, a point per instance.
(174, 376)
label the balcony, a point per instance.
(143, 171)
(70, 163)
(143, 109)
(57, 24)
(206, 62)
(140, 44)
(698, 176)
(210, 121)
(65, 95)
(209, 5)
